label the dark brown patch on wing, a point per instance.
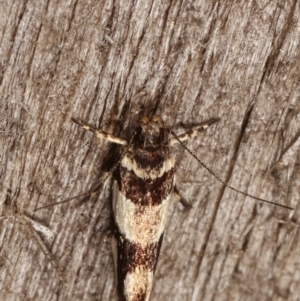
(144, 192)
(130, 256)
(150, 157)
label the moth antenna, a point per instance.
(93, 192)
(86, 195)
(220, 180)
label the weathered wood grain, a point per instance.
(105, 62)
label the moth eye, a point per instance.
(145, 120)
(157, 119)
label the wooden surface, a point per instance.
(106, 62)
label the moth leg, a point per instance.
(194, 131)
(31, 227)
(84, 197)
(27, 224)
(181, 199)
(101, 134)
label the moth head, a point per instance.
(152, 130)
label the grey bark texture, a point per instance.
(108, 62)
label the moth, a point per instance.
(143, 186)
